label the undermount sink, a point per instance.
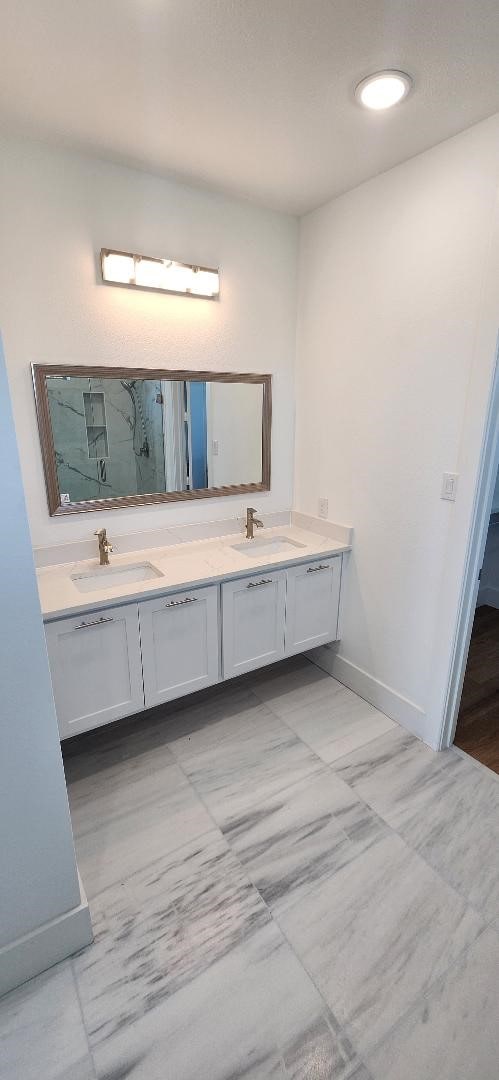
(261, 545)
(108, 577)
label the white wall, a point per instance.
(57, 209)
(38, 877)
(398, 319)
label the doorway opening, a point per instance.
(472, 715)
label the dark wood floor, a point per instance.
(478, 722)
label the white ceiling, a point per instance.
(252, 97)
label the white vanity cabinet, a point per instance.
(96, 668)
(107, 664)
(253, 616)
(312, 604)
(180, 643)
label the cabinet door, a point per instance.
(96, 668)
(180, 643)
(312, 603)
(253, 622)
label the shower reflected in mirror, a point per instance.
(123, 437)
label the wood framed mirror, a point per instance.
(116, 437)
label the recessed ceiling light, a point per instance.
(383, 89)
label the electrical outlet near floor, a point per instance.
(323, 508)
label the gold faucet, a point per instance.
(251, 521)
(105, 547)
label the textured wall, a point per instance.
(398, 321)
(57, 209)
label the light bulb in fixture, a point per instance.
(383, 89)
(118, 268)
(165, 275)
(150, 273)
(178, 277)
(204, 282)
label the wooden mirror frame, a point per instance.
(40, 373)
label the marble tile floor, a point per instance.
(283, 884)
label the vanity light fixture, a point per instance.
(383, 89)
(162, 275)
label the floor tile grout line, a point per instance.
(346, 754)
(82, 1015)
(411, 847)
(342, 1031)
(453, 748)
(274, 918)
(485, 926)
(429, 989)
(331, 767)
(313, 772)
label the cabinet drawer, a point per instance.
(180, 643)
(312, 604)
(253, 612)
(96, 668)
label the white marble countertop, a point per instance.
(200, 562)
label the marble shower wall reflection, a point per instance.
(119, 437)
(108, 437)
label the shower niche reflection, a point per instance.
(119, 437)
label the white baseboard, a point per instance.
(45, 946)
(383, 697)
(488, 595)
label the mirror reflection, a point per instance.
(128, 436)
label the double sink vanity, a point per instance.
(136, 628)
(162, 622)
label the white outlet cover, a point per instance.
(449, 486)
(323, 508)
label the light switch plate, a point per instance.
(449, 486)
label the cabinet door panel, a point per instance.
(96, 668)
(180, 643)
(313, 594)
(253, 622)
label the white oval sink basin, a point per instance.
(109, 577)
(260, 545)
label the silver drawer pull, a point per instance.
(314, 569)
(255, 584)
(96, 622)
(177, 603)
